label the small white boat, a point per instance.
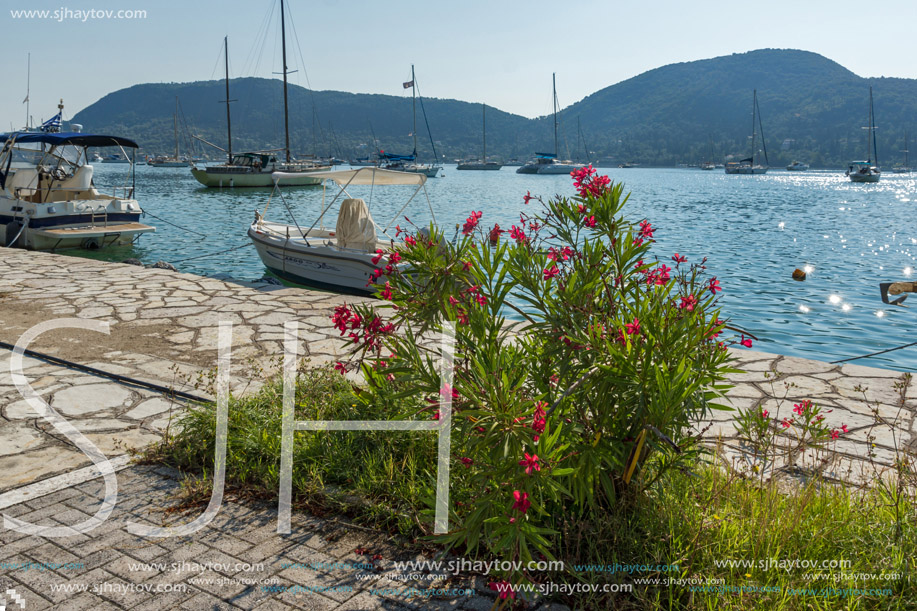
(867, 171)
(708, 165)
(797, 166)
(341, 259)
(48, 200)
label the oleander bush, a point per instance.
(581, 361)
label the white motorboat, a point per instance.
(748, 166)
(867, 171)
(797, 166)
(339, 259)
(547, 163)
(48, 200)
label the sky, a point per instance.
(501, 52)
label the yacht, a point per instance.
(409, 163)
(482, 163)
(48, 200)
(797, 166)
(256, 168)
(547, 163)
(867, 171)
(748, 166)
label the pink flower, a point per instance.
(518, 234)
(471, 222)
(340, 367)
(394, 257)
(679, 259)
(688, 303)
(466, 265)
(522, 502)
(714, 285)
(835, 434)
(646, 229)
(378, 256)
(452, 300)
(844, 428)
(746, 342)
(467, 461)
(633, 328)
(446, 390)
(799, 408)
(495, 233)
(765, 413)
(387, 292)
(590, 221)
(436, 415)
(551, 272)
(786, 423)
(530, 462)
(539, 420)
(409, 240)
(527, 197)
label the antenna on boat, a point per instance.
(554, 89)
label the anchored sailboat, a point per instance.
(255, 168)
(748, 166)
(903, 169)
(482, 163)
(547, 163)
(867, 171)
(408, 163)
(175, 161)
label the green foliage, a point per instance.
(586, 403)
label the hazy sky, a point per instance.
(497, 51)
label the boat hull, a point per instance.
(479, 166)
(67, 229)
(315, 264)
(864, 178)
(746, 170)
(248, 179)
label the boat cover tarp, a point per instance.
(355, 228)
(75, 138)
(546, 155)
(359, 176)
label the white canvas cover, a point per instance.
(355, 228)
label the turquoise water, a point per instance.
(755, 230)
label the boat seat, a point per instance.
(355, 228)
(25, 179)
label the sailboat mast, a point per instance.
(754, 105)
(175, 126)
(414, 108)
(28, 83)
(286, 114)
(872, 129)
(484, 130)
(554, 101)
(228, 122)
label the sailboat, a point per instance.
(255, 168)
(482, 163)
(175, 161)
(903, 169)
(867, 171)
(748, 166)
(547, 163)
(408, 163)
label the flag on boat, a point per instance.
(52, 124)
(408, 84)
(26, 98)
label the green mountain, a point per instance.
(812, 109)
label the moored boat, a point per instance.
(748, 165)
(482, 163)
(797, 166)
(48, 200)
(343, 259)
(547, 163)
(867, 171)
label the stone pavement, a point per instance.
(238, 561)
(163, 330)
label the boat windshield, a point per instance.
(65, 156)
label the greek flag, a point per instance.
(52, 124)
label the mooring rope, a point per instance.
(854, 358)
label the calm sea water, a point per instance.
(755, 230)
